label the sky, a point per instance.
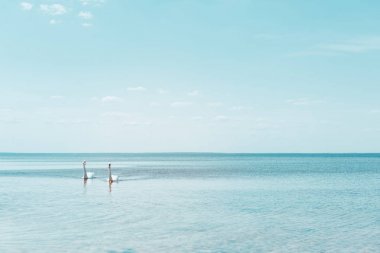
(190, 76)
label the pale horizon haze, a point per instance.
(190, 76)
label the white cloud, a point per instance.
(350, 46)
(138, 88)
(85, 15)
(86, 25)
(107, 99)
(181, 104)
(193, 93)
(303, 101)
(240, 108)
(92, 2)
(26, 6)
(343, 47)
(53, 22)
(53, 9)
(237, 108)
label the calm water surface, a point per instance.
(190, 203)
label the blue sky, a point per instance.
(220, 76)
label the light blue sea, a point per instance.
(190, 202)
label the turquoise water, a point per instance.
(190, 203)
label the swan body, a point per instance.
(90, 175)
(87, 175)
(111, 178)
(115, 177)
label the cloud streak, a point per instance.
(240, 108)
(221, 118)
(54, 21)
(86, 25)
(92, 2)
(26, 6)
(85, 15)
(111, 99)
(138, 88)
(349, 46)
(354, 46)
(53, 9)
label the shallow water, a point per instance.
(190, 203)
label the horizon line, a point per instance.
(189, 152)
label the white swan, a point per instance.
(87, 175)
(111, 177)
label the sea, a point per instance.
(190, 202)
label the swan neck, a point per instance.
(84, 172)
